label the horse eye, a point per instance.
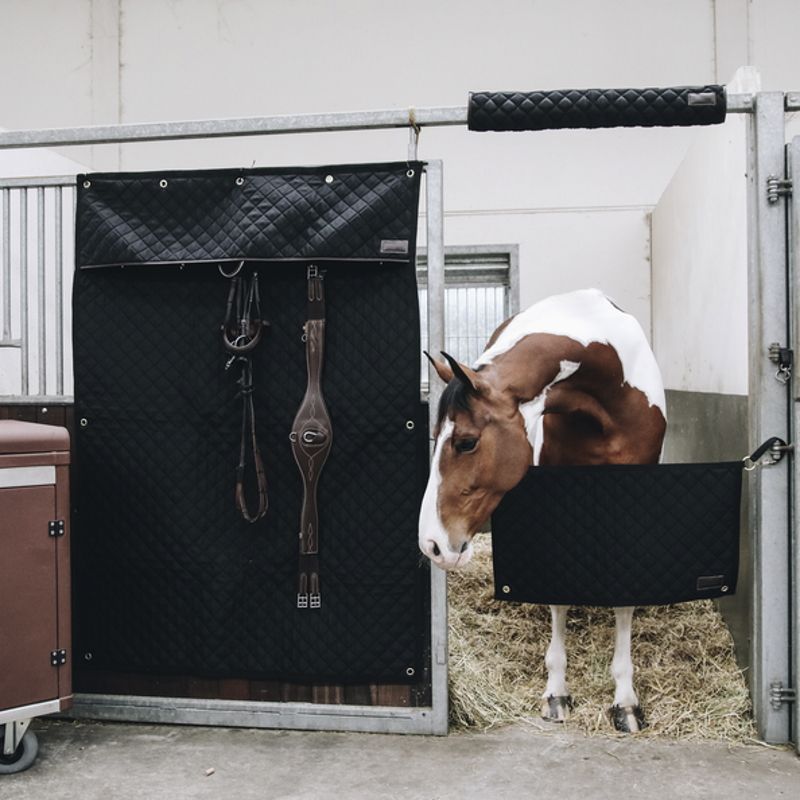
(465, 445)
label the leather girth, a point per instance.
(311, 439)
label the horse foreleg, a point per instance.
(557, 703)
(626, 715)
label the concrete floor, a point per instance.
(116, 761)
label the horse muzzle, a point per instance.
(446, 555)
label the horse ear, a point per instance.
(442, 370)
(466, 375)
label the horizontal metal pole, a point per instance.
(246, 126)
(26, 183)
(261, 126)
(36, 400)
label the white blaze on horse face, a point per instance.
(433, 538)
(588, 316)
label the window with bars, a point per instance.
(480, 292)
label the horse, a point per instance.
(569, 381)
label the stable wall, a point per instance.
(700, 319)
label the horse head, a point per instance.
(481, 452)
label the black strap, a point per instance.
(769, 444)
(241, 332)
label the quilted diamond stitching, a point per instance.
(592, 108)
(618, 535)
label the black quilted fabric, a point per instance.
(328, 213)
(619, 535)
(596, 108)
(169, 578)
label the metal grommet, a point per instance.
(329, 179)
(44, 410)
(410, 425)
(87, 184)
(410, 173)
(87, 656)
(293, 438)
(84, 422)
(240, 181)
(410, 672)
(163, 183)
(506, 589)
(723, 588)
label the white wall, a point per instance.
(699, 278)
(575, 201)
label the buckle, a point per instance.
(302, 600)
(316, 601)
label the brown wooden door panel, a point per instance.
(28, 610)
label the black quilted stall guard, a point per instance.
(169, 579)
(596, 108)
(619, 535)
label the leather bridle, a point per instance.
(241, 332)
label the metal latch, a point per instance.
(784, 358)
(780, 694)
(778, 187)
(55, 527)
(58, 658)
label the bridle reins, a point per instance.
(241, 333)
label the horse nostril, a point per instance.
(436, 550)
(464, 547)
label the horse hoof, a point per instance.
(627, 719)
(556, 708)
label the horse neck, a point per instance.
(525, 370)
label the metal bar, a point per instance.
(59, 280)
(42, 320)
(26, 712)
(740, 103)
(246, 126)
(434, 207)
(793, 172)
(262, 126)
(768, 415)
(5, 196)
(242, 713)
(23, 288)
(24, 183)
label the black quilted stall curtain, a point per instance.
(169, 578)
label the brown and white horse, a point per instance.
(571, 380)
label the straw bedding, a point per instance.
(685, 672)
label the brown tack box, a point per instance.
(35, 625)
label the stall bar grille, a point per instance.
(36, 266)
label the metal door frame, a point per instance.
(793, 223)
(768, 413)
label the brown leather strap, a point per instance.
(311, 438)
(241, 332)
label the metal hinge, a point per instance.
(784, 358)
(55, 527)
(777, 187)
(58, 658)
(780, 694)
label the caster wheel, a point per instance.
(23, 757)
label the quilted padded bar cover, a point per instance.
(619, 535)
(596, 108)
(170, 580)
(342, 213)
